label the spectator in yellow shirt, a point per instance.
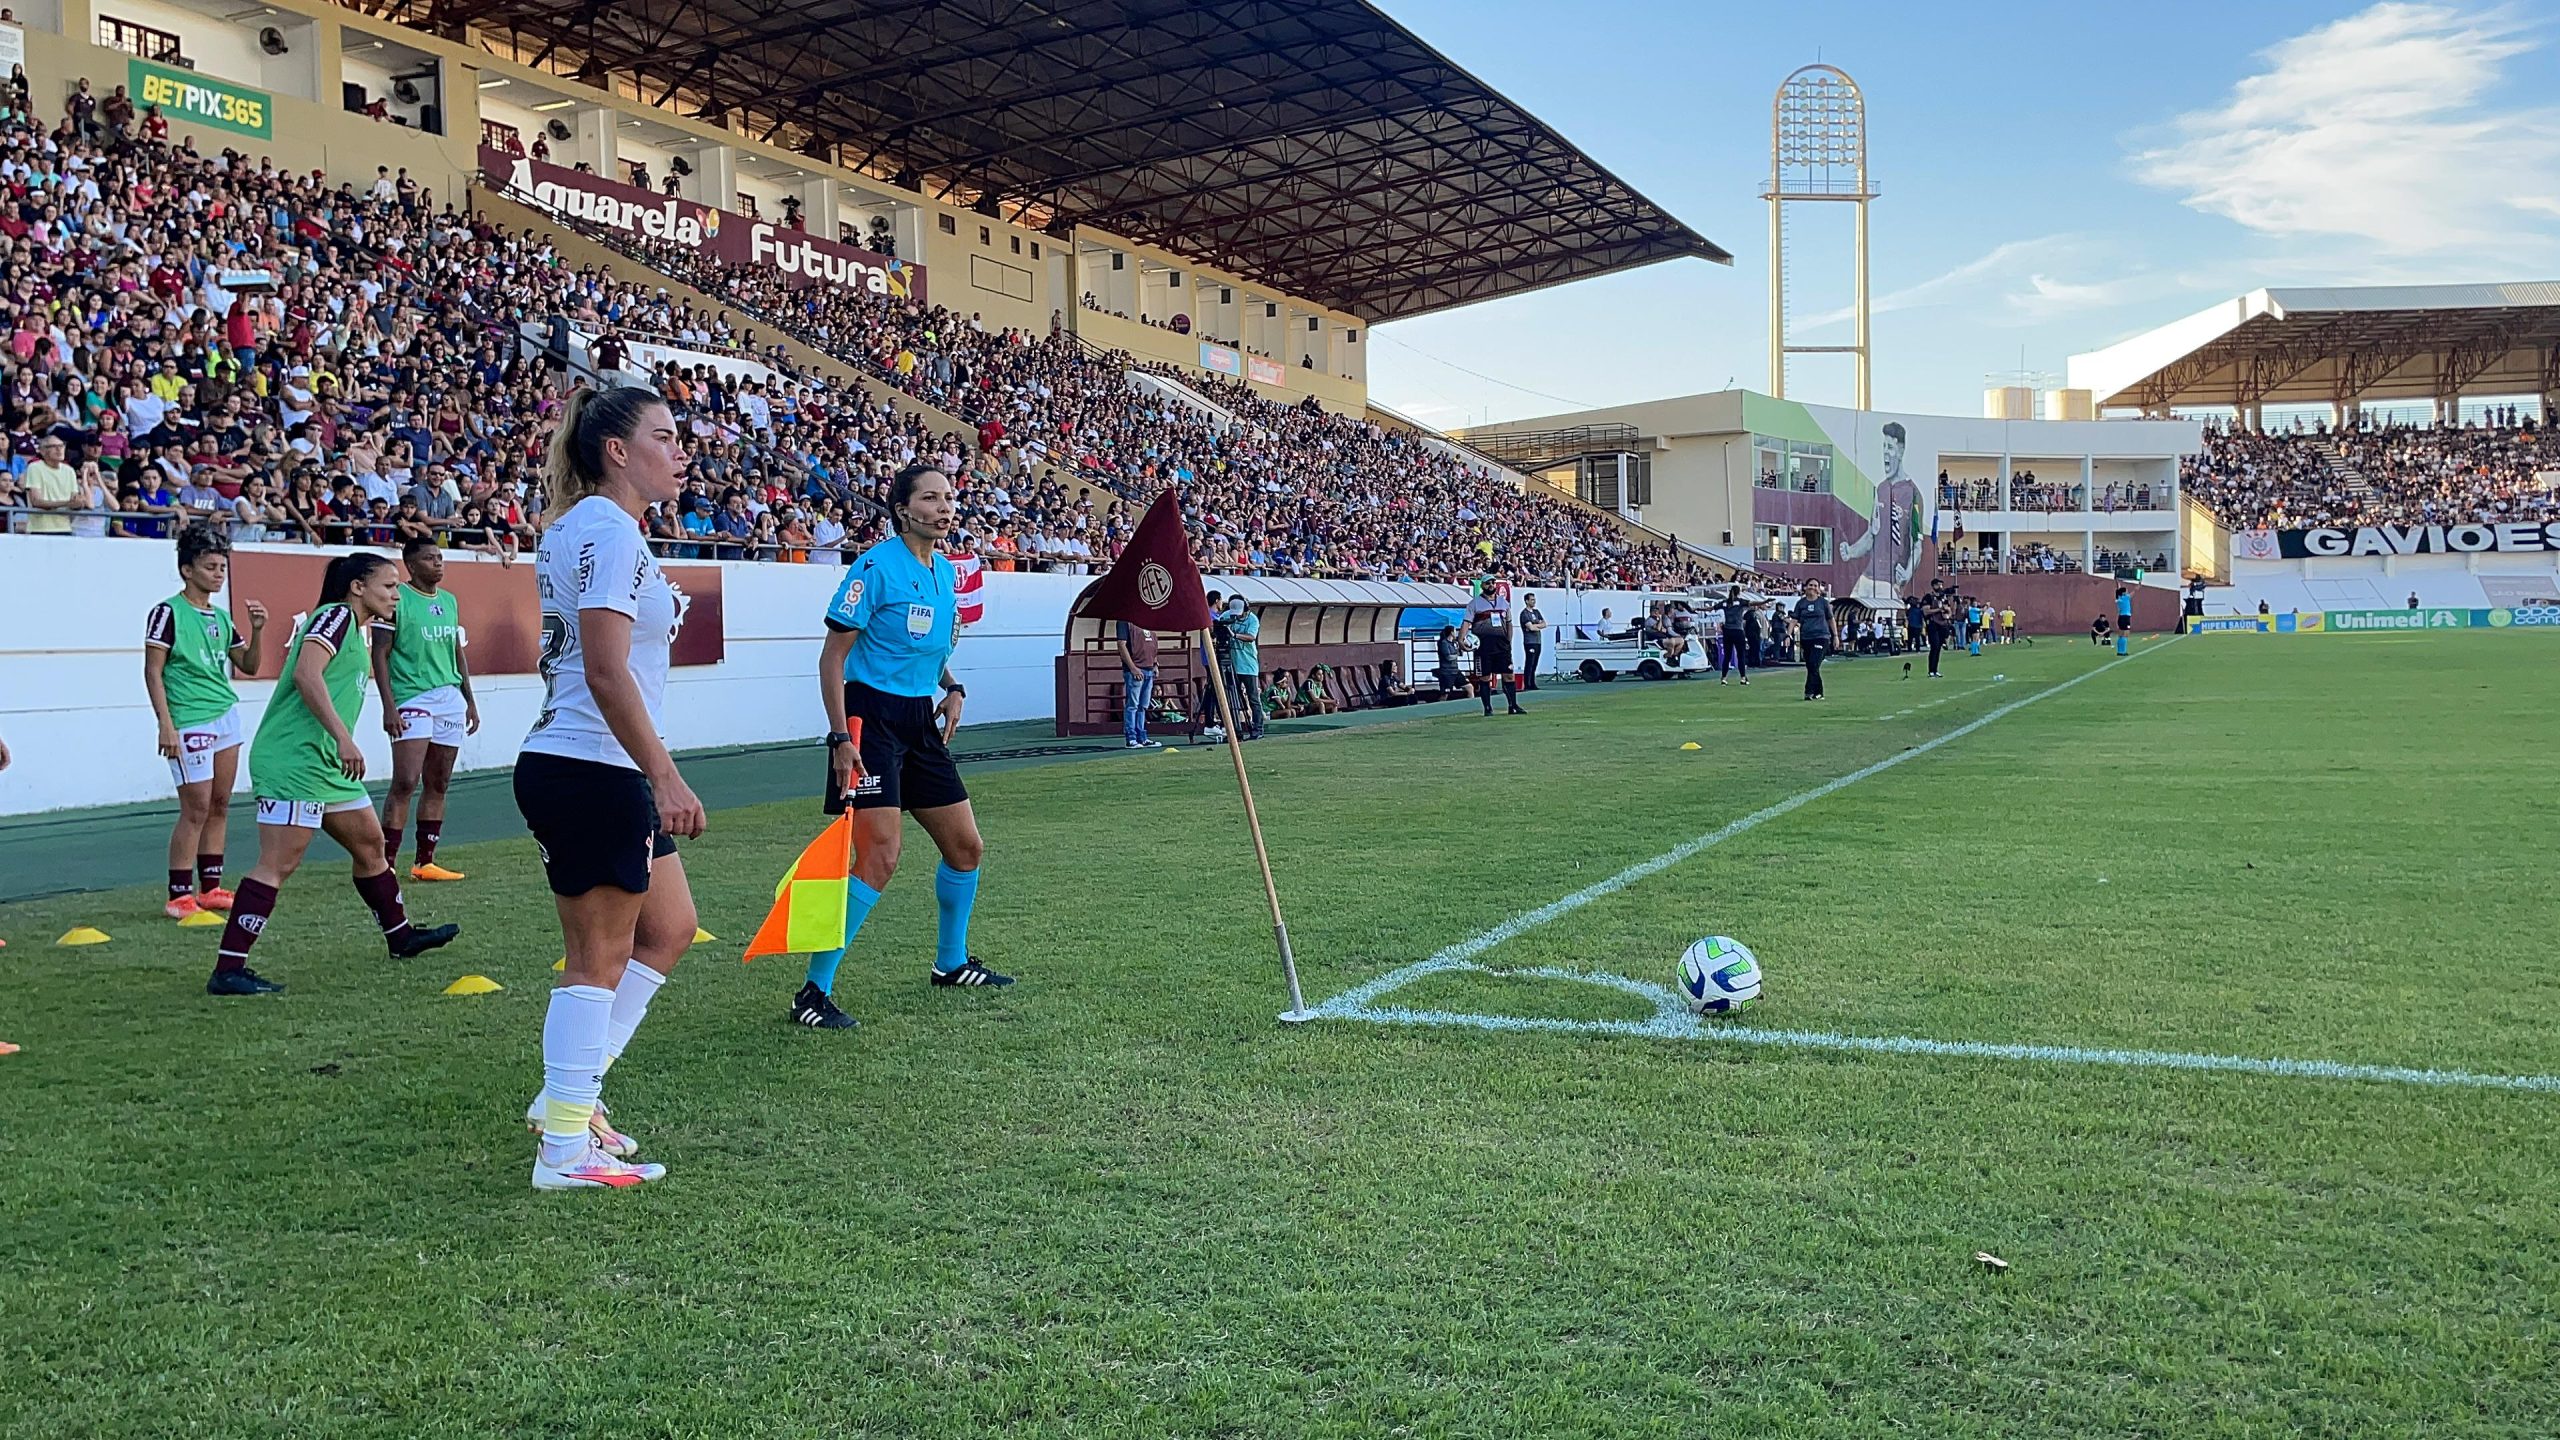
(51, 485)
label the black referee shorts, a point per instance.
(594, 824)
(1493, 656)
(905, 765)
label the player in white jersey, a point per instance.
(594, 780)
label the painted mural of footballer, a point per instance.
(1897, 494)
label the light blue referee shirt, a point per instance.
(906, 613)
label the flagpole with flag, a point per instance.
(1154, 584)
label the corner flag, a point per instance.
(1154, 583)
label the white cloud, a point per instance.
(1970, 278)
(2383, 128)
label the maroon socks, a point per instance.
(429, 832)
(381, 892)
(208, 872)
(250, 907)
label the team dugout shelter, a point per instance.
(2342, 347)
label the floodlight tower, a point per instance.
(1817, 151)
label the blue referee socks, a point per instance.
(858, 900)
(956, 892)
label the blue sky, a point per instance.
(2053, 179)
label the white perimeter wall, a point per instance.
(2384, 582)
(73, 712)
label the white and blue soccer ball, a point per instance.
(1719, 975)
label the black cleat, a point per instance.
(972, 973)
(241, 982)
(420, 941)
(816, 1009)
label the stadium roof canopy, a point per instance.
(2338, 346)
(1312, 145)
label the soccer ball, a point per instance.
(1719, 974)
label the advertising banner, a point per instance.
(2227, 625)
(2516, 538)
(2529, 616)
(2255, 545)
(724, 235)
(185, 95)
(2350, 622)
(501, 610)
(1264, 372)
(1219, 360)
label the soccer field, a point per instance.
(1120, 1199)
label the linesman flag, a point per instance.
(1153, 584)
(808, 906)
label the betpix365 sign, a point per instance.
(185, 95)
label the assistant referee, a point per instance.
(890, 634)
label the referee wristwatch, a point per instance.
(836, 738)
(956, 689)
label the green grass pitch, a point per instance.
(1120, 1199)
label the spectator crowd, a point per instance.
(2477, 472)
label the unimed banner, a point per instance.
(2518, 538)
(501, 610)
(726, 236)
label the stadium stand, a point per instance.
(2378, 475)
(390, 381)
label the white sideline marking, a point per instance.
(1671, 1020)
(1349, 1002)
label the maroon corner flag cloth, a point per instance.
(1153, 584)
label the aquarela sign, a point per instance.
(725, 235)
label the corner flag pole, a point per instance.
(1297, 1011)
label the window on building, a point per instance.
(1639, 480)
(1769, 542)
(985, 236)
(1017, 244)
(1809, 468)
(1768, 463)
(950, 226)
(1809, 545)
(1035, 249)
(134, 39)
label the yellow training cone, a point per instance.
(1693, 745)
(474, 985)
(561, 964)
(82, 935)
(1173, 749)
(702, 936)
(202, 918)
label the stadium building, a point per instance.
(1230, 198)
(2044, 513)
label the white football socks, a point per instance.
(573, 1060)
(630, 1006)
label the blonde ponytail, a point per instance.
(574, 467)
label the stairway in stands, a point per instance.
(2351, 480)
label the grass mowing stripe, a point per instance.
(1344, 1005)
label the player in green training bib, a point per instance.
(310, 773)
(188, 648)
(427, 705)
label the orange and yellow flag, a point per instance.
(808, 906)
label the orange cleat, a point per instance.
(214, 900)
(181, 908)
(433, 872)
